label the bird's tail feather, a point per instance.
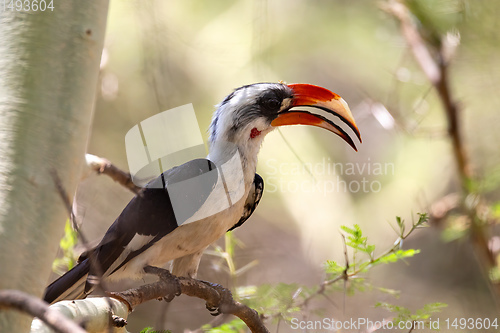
(69, 286)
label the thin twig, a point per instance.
(345, 275)
(436, 72)
(67, 204)
(414, 40)
(18, 300)
(104, 166)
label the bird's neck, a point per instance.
(221, 152)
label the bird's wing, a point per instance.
(152, 214)
(252, 200)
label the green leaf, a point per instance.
(422, 219)
(276, 300)
(67, 244)
(369, 249)
(70, 237)
(405, 315)
(434, 307)
(357, 284)
(392, 292)
(399, 310)
(332, 267)
(348, 230)
(246, 291)
(401, 224)
(229, 242)
(356, 240)
(397, 255)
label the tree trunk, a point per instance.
(49, 65)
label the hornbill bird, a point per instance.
(216, 194)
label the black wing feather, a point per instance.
(252, 201)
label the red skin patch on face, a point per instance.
(254, 133)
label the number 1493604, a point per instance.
(27, 5)
(471, 323)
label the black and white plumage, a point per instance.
(149, 231)
(252, 201)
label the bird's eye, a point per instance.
(271, 104)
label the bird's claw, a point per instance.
(175, 284)
(118, 321)
(225, 294)
(214, 311)
(165, 275)
(169, 297)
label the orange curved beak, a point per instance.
(321, 98)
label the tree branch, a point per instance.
(414, 40)
(33, 306)
(96, 314)
(104, 166)
(214, 295)
(436, 72)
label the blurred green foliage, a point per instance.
(234, 326)
(405, 315)
(285, 301)
(67, 245)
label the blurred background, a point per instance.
(162, 54)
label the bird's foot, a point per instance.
(174, 285)
(225, 295)
(118, 321)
